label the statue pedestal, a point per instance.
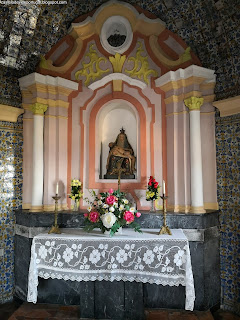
(115, 176)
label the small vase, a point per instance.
(119, 231)
(76, 206)
(152, 210)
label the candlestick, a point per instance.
(163, 187)
(165, 229)
(57, 188)
(55, 228)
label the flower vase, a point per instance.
(119, 231)
(76, 206)
(152, 210)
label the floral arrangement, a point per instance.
(109, 211)
(152, 192)
(76, 190)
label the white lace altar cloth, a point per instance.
(79, 256)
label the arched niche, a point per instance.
(110, 119)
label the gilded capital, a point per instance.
(193, 103)
(38, 108)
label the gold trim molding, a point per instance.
(178, 208)
(36, 208)
(181, 97)
(49, 102)
(9, 113)
(176, 113)
(228, 107)
(26, 206)
(55, 117)
(182, 83)
(197, 210)
(211, 206)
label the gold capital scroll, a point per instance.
(193, 103)
(38, 108)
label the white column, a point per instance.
(37, 174)
(194, 104)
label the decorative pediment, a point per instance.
(96, 46)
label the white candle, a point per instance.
(57, 188)
(163, 187)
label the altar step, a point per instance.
(178, 315)
(29, 311)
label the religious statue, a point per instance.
(121, 159)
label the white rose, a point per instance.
(115, 204)
(121, 207)
(132, 209)
(125, 201)
(108, 219)
(89, 208)
(105, 205)
(99, 202)
(111, 209)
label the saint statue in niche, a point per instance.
(120, 158)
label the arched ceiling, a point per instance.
(211, 28)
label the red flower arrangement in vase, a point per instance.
(152, 192)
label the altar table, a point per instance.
(79, 256)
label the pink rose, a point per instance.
(94, 216)
(138, 214)
(128, 216)
(86, 215)
(111, 199)
(110, 191)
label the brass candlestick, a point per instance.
(165, 229)
(55, 228)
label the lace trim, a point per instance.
(111, 278)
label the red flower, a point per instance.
(128, 216)
(155, 185)
(94, 216)
(150, 183)
(111, 199)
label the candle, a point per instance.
(57, 188)
(163, 187)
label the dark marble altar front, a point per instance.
(124, 300)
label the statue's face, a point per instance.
(121, 138)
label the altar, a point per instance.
(116, 299)
(151, 86)
(145, 258)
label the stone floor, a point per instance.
(28, 311)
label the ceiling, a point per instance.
(211, 28)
